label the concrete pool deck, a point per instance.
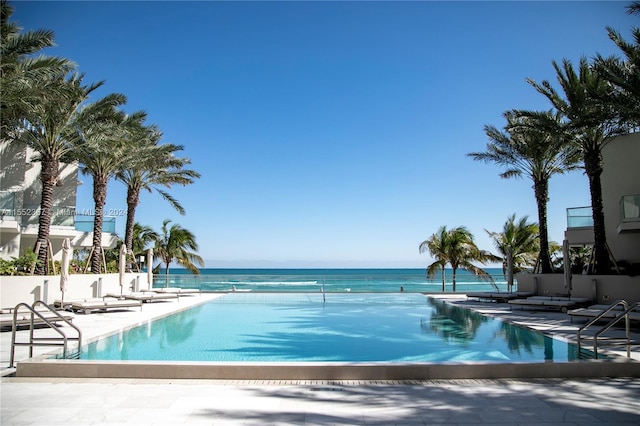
(37, 400)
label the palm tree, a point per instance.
(624, 76)
(456, 248)
(535, 145)
(102, 150)
(142, 237)
(590, 119)
(48, 129)
(517, 245)
(175, 243)
(24, 78)
(154, 165)
(634, 8)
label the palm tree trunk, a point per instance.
(133, 198)
(541, 189)
(454, 278)
(166, 273)
(593, 168)
(99, 199)
(509, 269)
(48, 177)
(443, 276)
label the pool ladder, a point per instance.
(619, 314)
(61, 340)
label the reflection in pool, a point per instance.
(345, 327)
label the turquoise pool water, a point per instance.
(267, 327)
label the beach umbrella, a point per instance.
(150, 268)
(566, 260)
(64, 265)
(122, 265)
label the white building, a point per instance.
(20, 190)
(620, 200)
(621, 205)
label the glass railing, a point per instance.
(579, 217)
(7, 203)
(313, 281)
(84, 223)
(630, 208)
(60, 215)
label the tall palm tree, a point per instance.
(102, 150)
(175, 243)
(24, 78)
(456, 248)
(154, 165)
(590, 119)
(534, 145)
(517, 246)
(48, 129)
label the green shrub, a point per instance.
(7, 267)
(25, 263)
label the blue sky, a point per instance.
(330, 134)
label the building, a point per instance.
(20, 193)
(621, 202)
(620, 181)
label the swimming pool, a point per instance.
(331, 327)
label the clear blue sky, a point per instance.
(330, 134)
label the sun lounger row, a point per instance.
(176, 290)
(24, 318)
(114, 301)
(145, 296)
(551, 302)
(595, 310)
(499, 296)
(101, 304)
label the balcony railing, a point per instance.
(84, 223)
(60, 215)
(579, 217)
(7, 203)
(630, 208)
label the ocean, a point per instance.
(329, 280)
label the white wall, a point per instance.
(621, 176)
(19, 289)
(602, 289)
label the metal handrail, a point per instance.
(33, 340)
(617, 317)
(611, 323)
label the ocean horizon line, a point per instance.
(320, 269)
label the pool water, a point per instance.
(316, 327)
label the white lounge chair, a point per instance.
(551, 302)
(102, 304)
(595, 310)
(499, 296)
(24, 317)
(145, 296)
(176, 290)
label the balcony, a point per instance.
(8, 221)
(60, 215)
(579, 217)
(629, 213)
(84, 223)
(579, 226)
(7, 204)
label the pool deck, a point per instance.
(93, 401)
